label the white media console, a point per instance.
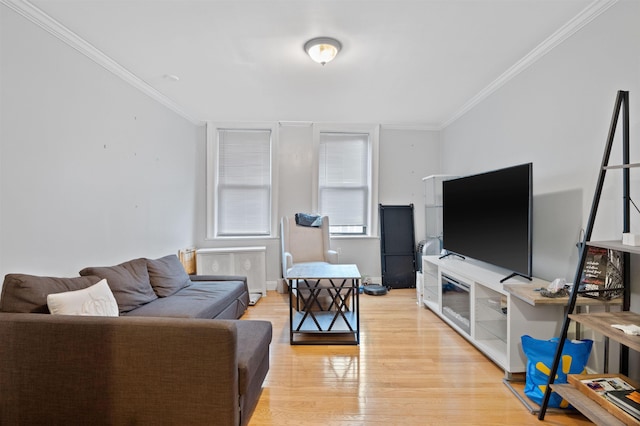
(493, 316)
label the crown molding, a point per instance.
(295, 123)
(44, 21)
(423, 127)
(53, 27)
(386, 126)
(587, 15)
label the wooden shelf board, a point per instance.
(622, 166)
(576, 381)
(615, 245)
(588, 407)
(601, 322)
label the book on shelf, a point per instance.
(602, 273)
(601, 385)
(628, 400)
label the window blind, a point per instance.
(343, 181)
(244, 182)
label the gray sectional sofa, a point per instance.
(176, 353)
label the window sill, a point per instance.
(243, 238)
(354, 237)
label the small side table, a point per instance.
(338, 324)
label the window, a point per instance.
(240, 181)
(345, 180)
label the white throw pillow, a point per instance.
(96, 300)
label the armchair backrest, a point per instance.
(304, 243)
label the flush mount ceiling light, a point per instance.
(322, 49)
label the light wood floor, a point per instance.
(409, 369)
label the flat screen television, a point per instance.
(488, 217)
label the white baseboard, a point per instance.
(272, 285)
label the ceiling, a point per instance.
(403, 62)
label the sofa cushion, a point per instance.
(129, 282)
(167, 275)
(96, 300)
(24, 293)
(199, 300)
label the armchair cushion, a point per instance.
(306, 245)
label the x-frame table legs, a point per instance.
(338, 319)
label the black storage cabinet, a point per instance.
(397, 246)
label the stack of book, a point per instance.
(628, 400)
(617, 390)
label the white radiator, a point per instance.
(246, 261)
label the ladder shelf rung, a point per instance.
(621, 166)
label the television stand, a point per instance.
(500, 314)
(515, 274)
(498, 317)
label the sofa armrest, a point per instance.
(125, 370)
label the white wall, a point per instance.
(406, 156)
(557, 114)
(92, 171)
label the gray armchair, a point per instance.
(306, 244)
(303, 244)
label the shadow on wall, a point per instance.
(557, 220)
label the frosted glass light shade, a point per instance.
(322, 49)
